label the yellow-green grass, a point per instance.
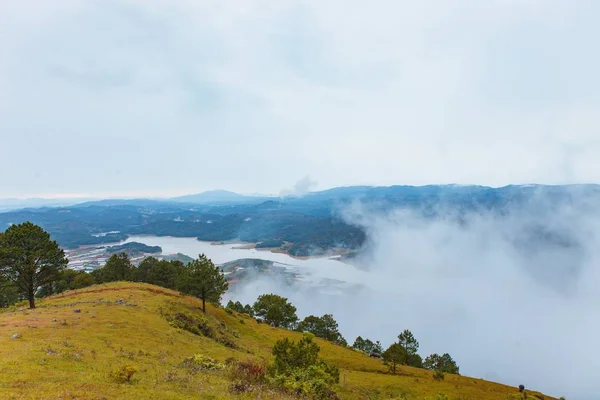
(63, 354)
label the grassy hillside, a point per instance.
(70, 345)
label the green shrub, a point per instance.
(201, 362)
(297, 369)
(196, 325)
(313, 382)
(438, 375)
(124, 373)
(290, 355)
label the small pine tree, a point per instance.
(394, 355)
(204, 280)
(410, 345)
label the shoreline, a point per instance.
(335, 253)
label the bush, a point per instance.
(197, 326)
(124, 374)
(201, 362)
(313, 382)
(247, 371)
(297, 369)
(290, 355)
(438, 375)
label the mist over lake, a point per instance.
(312, 268)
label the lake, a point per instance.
(317, 268)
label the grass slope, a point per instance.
(63, 354)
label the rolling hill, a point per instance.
(71, 345)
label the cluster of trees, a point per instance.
(404, 352)
(443, 363)
(240, 308)
(200, 278)
(367, 346)
(33, 265)
(279, 312)
(67, 279)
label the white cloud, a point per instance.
(505, 304)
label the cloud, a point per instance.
(344, 91)
(512, 298)
(300, 188)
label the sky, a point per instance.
(158, 98)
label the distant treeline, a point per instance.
(73, 227)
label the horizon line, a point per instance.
(166, 196)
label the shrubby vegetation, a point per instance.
(298, 369)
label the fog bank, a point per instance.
(512, 297)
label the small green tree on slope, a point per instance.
(29, 259)
(204, 280)
(324, 327)
(410, 345)
(276, 310)
(394, 355)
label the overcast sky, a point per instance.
(147, 97)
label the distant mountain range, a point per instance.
(301, 225)
(218, 197)
(225, 197)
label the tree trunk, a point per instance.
(31, 297)
(203, 305)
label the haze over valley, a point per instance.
(329, 200)
(420, 255)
